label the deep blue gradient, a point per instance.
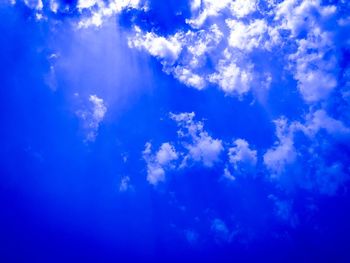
(59, 195)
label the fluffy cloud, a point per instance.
(283, 161)
(232, 79)
(242, 8)
(210, 8)
(166, 154)
(158, 163)
(319, 119)
(297, 16)
(92, 117)
(315, 64)
(201, 146)
(185, 54)
(283, 153)
(97, 11)
(228, 175)
(166, 49)
(299, 31)
(301, 155)
(181, 54)
(246, 37)
(189, 78)
(242, 160)
(241, 156)
(83, 4)
(205, 149)
(194, 146)
(34, 4)
(204, 9)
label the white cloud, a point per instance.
(99, 109)
(284, 152)
(166, 49)
(208, 8)
(232, 79)
(166, 154)
(186, 55)
(228, 175)
(315, 85)
(181, 54)
(195, 4)
(201, 146)
(54, 6)
(319, 119)
(34, 4)
(315, 60)
(313, 71)
(242, 8)
(195, 144)
(83, 4)
(158, 163)
(199, 43)
(204, 9)
(189, 78)
(230, 29)
(92, 117)
(205, 149)
(247, 36)
(299, 15)
(185, 117)
(241, 156)
(98, 10)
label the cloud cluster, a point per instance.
(298, 158)
(241, 47)
(241, 156)
(237, 45)
(302, 151)
(195, 146)
(249, 45)
(201, 147)
(231, 33)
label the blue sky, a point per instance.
(148, 130)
